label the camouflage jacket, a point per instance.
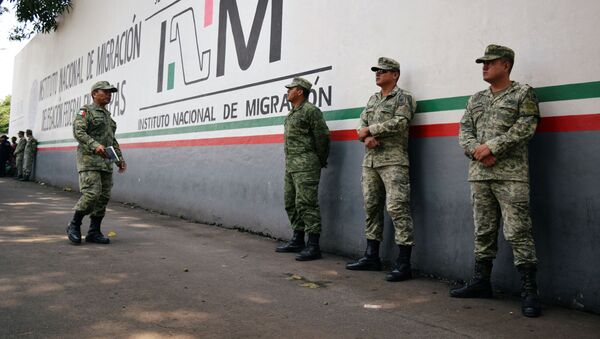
(306, 139)
(92, 127)
(30, 147)
(20, 147)
(504, 123)
(388, 120)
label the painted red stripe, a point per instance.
(245, 140)
(57, 148)
(344, 135)
(208, 12)
(569, 123)
(435, 130)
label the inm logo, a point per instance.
(181, 33)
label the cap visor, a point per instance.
(487, 58)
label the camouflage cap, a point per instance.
(300, 82)
(493, 52)
(387, 64)
(104, 85)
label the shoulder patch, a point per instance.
(83, 113)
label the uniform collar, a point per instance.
(99, 108)
(512, 87)
(294, 109)
(392, 93)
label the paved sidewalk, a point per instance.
(166, 277)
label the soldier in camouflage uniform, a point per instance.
(384, 126)
(94, 129)
(494, 132)
(306, 148)
(29, 155)
(19, 153)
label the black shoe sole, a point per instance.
(289, 250)
(74, 242)
(533, 314)
(309, 258)
(97, 242)
(394, 279)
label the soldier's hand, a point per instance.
(488, 161)
(122, 166)
(371, 142)
(363, 133)
(100, 151)
(481, 152)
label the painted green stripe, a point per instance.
(51, 142)
(443, 104)
(585, 90)
(171, 76)
(274, 121)
(343, 114)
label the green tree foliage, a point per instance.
(4, 114)
(35, 16)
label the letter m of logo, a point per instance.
(246, 50)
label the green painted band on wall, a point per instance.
(585, 90)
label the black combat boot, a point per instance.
(530, 302)
(74, 228)
(370, 261)
(94, 235)
(296, 244)
(480, 286)
(312, 250)
(401, 270)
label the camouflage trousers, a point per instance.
(394, 182)
(495, 200)
(301, 196)
(20, 164)
(95, 189)
(28, 164)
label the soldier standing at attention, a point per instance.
(94, 130)
(306, 148)
(29, 155)
(384, 125)
(494, 132)
(19, 153)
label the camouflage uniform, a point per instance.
(92, 127)
(385, 168)
(306, 147)
(29, 156)
(504, 122)
(19, 153)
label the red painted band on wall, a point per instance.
(568, 123)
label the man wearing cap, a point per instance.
(29, 155)
(306, 147)
(19, 153)
(494, 132)
(94, 130)
(384, 125)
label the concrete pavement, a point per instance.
(166, 277)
